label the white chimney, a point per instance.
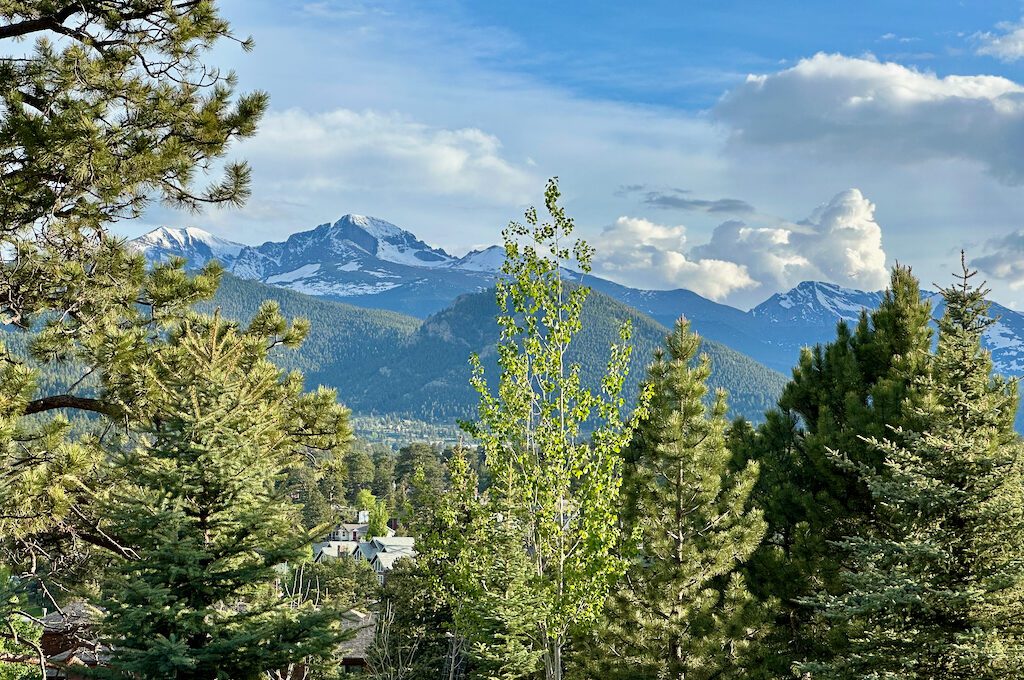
(363, 517)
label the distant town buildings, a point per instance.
(350, 541)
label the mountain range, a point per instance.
(371, 263)
(386, 363)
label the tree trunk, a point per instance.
(553, 658)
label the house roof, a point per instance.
(332, 550)
(394, 543)
(365, 550)
(387, 560)
(365, 626)
(70, 638)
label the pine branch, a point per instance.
(74, 402)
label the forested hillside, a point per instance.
(387, 363)
(428, 376)
(343, 339)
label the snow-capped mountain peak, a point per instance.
(375, 227)
(380, 239)
(195, 245)
(817, 301)
(486, 260)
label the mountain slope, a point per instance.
(435, 361)
(808, 315)
(343, 339)
(374, 264)
(386, 363)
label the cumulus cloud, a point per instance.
(1007, 44)
(840, 107)
(840, 242)
(645, 254)
(345, 150)
(1004, 259)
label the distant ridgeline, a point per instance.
(392, 367)
(394, 320)
(371, 263)
(384, 363)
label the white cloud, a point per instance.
(1004, 260)
(644, 254)
(841, 107)
(840, 242)
(445, 75)
(1007, 45)
(345, 150)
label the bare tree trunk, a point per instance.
(553, 658)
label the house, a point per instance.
(383, 552)
(69, 642)
(349, 532)
(349, 540)
(355, 651)
(344, 541)
(355, 531)
(333, 550)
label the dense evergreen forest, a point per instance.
(166, 467)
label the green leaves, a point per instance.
(557, 490)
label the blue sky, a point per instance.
(733, 148)
(684, 54)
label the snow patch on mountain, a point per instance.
(303, 272)
(486, 260)
(391, 243)
(816, 302)
(332, 289)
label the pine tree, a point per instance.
(384, 475)
(859, 385)
(360, 473)
(555, 490)
(936, 589)
(206, 514)
(105, 106)
(683, 609)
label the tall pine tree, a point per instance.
(936, 588)
(683, 609)
(205, 513)
(105, 106)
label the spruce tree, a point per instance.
(206, 514)
(936, 588)
(859, 385)
(683, 609)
